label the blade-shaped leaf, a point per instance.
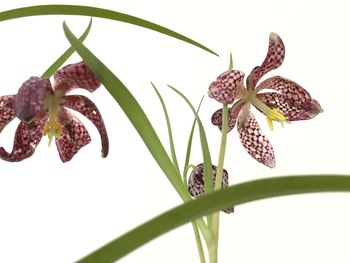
(95, 12)
(190, 138)
(233, 195)
(170, 133)
(60, 61)
(208, 183)
(137, 117)
(133, 111)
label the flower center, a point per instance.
(274, 114)
(52, 127)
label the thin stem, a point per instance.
(199, 243)
(218, 181)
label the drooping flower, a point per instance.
(42, 110)
(287, 101)
(196, 182)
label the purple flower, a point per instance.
(41, 109)
(287, 101)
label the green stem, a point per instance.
(199, 243)
(218, 182)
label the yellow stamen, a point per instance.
(270, 118)
(271, 114)
(52, 128)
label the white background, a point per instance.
(54, 212)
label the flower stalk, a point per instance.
(218, 182)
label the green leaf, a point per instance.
(170, 133)
(133, 111)
(204, 143)
(95, 12)
(233, 195)
(190, 138)
(59, 62)
(208, 182)
(137, 117)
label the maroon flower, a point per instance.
(196, 182)
(287, 102)
(42, 111)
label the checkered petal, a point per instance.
(292, 111)
(274, 58)
(86, 107)
(254, 141)
(216, 118)
(226, 86)
(74, 136)
(29, 101)
(7, 112)
(295, 102)
(27, 137)
(75, 76)
(196, 182)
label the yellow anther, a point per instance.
(52, 129)
(275, 115)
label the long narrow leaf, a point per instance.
(60, 61)
(170, 133)
(190, 138)
(133, 111)
(233, 195)
(208, 183)
(137, 117)
(95, 12)
(204, 143)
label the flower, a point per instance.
(287, 101)
(196, 182)
(42, 110)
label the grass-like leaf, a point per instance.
(63, 58)
(233, 195)
(170, 133)
(95, 12)
(208, 183)
(133, 111)
(204, 143)
(190, 138)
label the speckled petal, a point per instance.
(75, 76)
(27, 137)
(255, 142)
(29, 101)
(196, 182)
(274, 58)
(7, 112)
(86, 107)
(226, 86)
(74, 136)
(216, 118)
(291, 109)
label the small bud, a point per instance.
(196, 182)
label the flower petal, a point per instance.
(86, 107)
(74, 136)
(27, 137)
(7, 112)
(29, 101)
(254, 141)
(226, 86)
(295, 102)
(216, 118)
(196, 182)
(74, 76)
(274, 58)
(291, 109)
